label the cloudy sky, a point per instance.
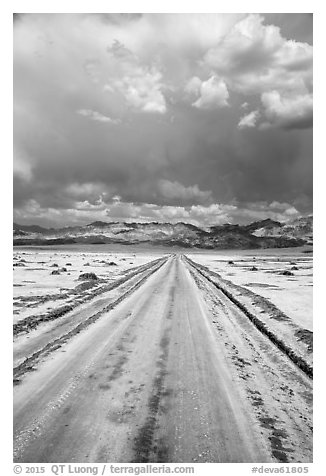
(201, 118)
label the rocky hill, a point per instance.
(262, 234)
(301, 228)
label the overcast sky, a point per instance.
(201, 118)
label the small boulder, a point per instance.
(87, 277)
(254, 268)
(230, 262)
(54, 265)
(287, 273)
(295, 268)
(55, 271)
(112, 263)
(86, 264)
(68, 264)
(63, 270)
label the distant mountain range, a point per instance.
(260, 234)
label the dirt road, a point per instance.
(174, 373)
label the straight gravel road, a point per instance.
(175, 372)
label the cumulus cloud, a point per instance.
(255, 211)
(90, 192)
(140, 85)
(254, 57)
(117, 210)
(291, 112)
(83, 212)
(144, 92)
(210, 94)
(141, 90)
(249, 120)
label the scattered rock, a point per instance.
(84, 286)
(112, 263)
(63, 269)
(19, 264)
(54, 265)
(295, 268)
(86, 264)
(55, 271)
(287, 273)
(254, 268)
(68, 264)
(87, 276)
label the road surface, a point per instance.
(174, 373)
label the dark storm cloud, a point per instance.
(137, 115)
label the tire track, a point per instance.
(30, 363)
(279, 393)
(32, 322)
(300, 362)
